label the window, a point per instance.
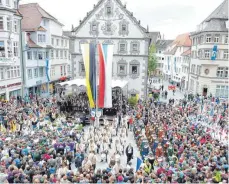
(124, 27)
(8, 2)
(208, 38)
(18, 71)
(44, 22)
(1, 73)
(52, 54)
(30, 73)
(61, 70)
(94, 27)
(29, 55)
(135, 47)
(69, 69)
(8, 24)
(47, 55)
(108, 10)
(52, 41)
(64, 70)
(16, 49)
(35, 55)
(134, 69)
(15, 71)
(40, 55)
(206, 54)
(65, 54)
(122, 69)
(66, 43)
(122, 47)
(53, 71)
(226, 39)
(220, 72)
(61, 54)
(216, 39)
(108, 27)
(2, 49)
(82, 68)
(62, 43)
(1, 23)
(221, 91)
(15, 26)
(41, 38)
(12, 72)
(9, 48)
(15, 4)
(8, 73)
(41, 71)
(57, 54)
(35, 73)
(226, 72)
(57, 42)
(225, 54)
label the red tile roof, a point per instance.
(32, 44)
(32, 16)
(183, 40)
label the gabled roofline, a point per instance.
(122, 7)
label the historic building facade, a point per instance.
(10, 70)
(176, 61)
(46, 50)
(111, 23)
(209, 55)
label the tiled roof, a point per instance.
(32, 44)
(183, 40)
(186, 53)
(171, 52)
(41, 29)
(216, 21)
(163, 43)
(154, 37)
(32, 16)
(221, 12)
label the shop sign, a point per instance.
(13, 85)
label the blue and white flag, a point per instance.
(214, 53)
(139, 163)
(47, 69)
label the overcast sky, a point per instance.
(170, 17)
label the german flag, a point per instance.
(88, 53)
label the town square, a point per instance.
(114, 91)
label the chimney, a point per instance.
(80, 21)
(139, 22)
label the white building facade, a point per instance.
(209, 74)
(176, 61)
(46, 54)
(161, 46)
(111, 23)
(10, 69)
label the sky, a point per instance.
(170, 17)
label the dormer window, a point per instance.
(123, 27)
(108, 10)
(108, 27)
(94, 27)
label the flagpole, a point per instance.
(96, 65)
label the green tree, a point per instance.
(133, 101)
(152, 62)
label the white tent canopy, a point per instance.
(82, 82)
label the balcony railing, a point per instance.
(6, 61)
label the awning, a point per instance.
(82, 82)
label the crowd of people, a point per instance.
(182, 141)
